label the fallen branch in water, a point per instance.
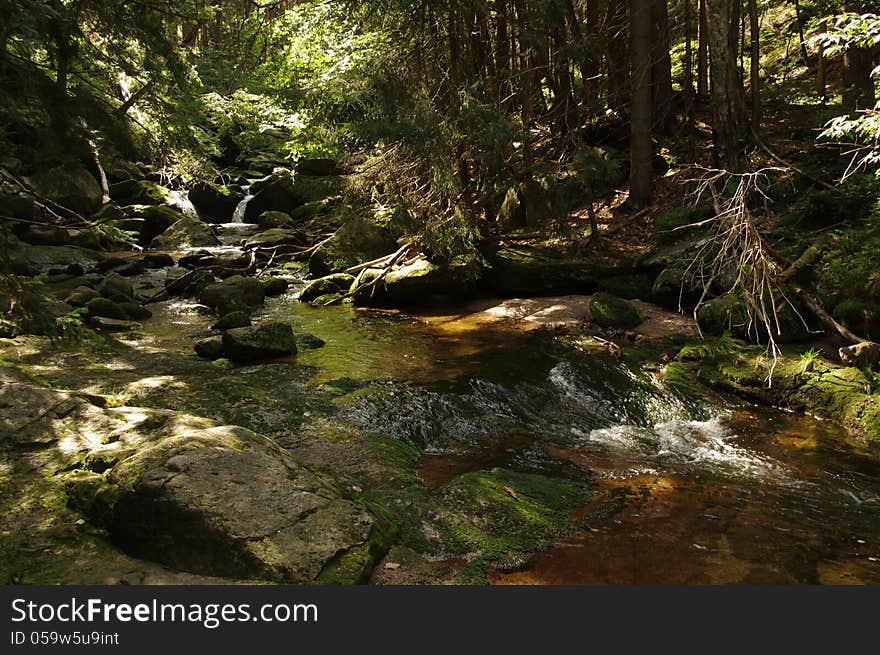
(391, 261)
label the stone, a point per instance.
(139, 192)
(111, 324)
(45, 235)
(232, 320)
(70, 186)
(526, 271)
(236, 289)
(277, 237)
(609, 311)
(215, 203)
(309, 342)
(80, 296)
(35, 260)
(266, 341)
(154, 220)
(211, 348)
(106, 309)
(274, 219)
(418, 283)
(357, 241)
(861, 355)
(275, 286)
(330, 284)
(187, 231)
(158, 260)
(116, 287)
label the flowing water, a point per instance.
(688, 490)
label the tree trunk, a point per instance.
(821, 83)
(617, 55)
(755, 65)
(641, 151)
(661, 70)
(726, 89)
(703, 51)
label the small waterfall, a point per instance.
(238, 215)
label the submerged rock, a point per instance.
(253, 344)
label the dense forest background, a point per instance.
(464, 121)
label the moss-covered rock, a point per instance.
(673, 286)
(150, 221)
(275, 286)
(273, 220)
(215, 203)
(187, 231)
(285, 193)
(70, 186)
(526, 271)
(277, 237)
(330, 284)
(266, 341)
(673, 225)
(116, 287)
(419, 283)
(357, 241)
(728, 313)
(81, 296)
(236, 289)
(232, 320)
(211, 348)
(106, 308)
(611, 312)
(139, 192)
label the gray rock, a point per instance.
(232, 320)
(211, 348)
(186, 232)
(72, 187)
(861, 355)
(266, 341)
(336, 283)
(116, 287)
(234, 290)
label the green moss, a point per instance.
(107, 309)
(611, 312)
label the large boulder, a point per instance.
(116, 287)
(358, 241)
(215, 203)
(418, 283)
(139, 192)
(265, 341)
(72, 187)
(526, 271)
(152, 220)
(236, 290)
(285, 193)
(729, 312)
(186, 232)
(186, 492)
